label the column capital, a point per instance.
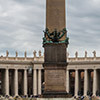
(6, 68)
(16, 69)
(34, 68)
(67, 69)
(25, 69)
(40, 69)
(76, 69)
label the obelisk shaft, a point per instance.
(55, 15)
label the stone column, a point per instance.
(39, 82)
(67, 81)
(94, 82)
(16, 82)
(35, 82)
(85, 82)
(6, 82)
(76, 82)
(25, 81)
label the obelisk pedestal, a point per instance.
(55, 43)
(55, 70)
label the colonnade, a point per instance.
(91, 82)
(36, 82)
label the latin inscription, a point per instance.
(55, 77)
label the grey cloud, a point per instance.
(22, 23)
(84, 25)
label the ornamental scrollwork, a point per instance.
(55, 36)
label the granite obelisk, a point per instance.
(55, 43)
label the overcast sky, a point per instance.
(22, 23)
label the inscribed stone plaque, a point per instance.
(55, 80)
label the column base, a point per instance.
(76, 96)
(94, 95)
(7, 96)
(85, 95)
(56, 95)
(16, 96)
(25, 95)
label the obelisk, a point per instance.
(55, 43)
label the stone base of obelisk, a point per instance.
(55, 71)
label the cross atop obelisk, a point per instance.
(55, 43)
